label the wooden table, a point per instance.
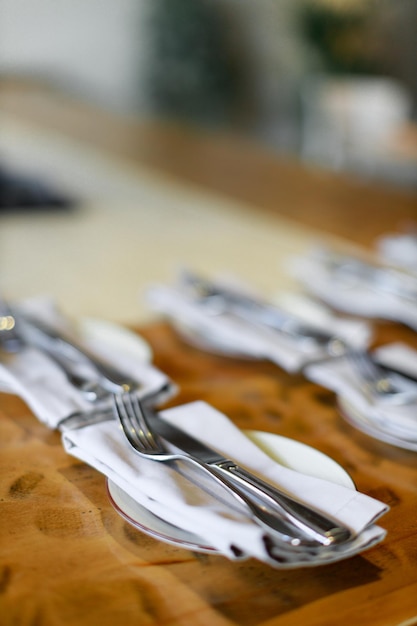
(68, 559)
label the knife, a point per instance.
(223, 299)
(58, 343)
(271, 503)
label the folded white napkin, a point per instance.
(400, 250)
(351, 295)
(169, 496)
(228, 334)
(379, 415)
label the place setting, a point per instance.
(185, 475)
(227, 317)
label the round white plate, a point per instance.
(290, 453)
(360, 421)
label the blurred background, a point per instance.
(329, 82)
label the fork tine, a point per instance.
(138, 422)
(130, 413)
(123, 416)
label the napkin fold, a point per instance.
(228, 334)
(352, 295)
(382, 417)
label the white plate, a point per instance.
(360, 421)
(290, 453)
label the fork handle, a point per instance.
(293, 522)
(308, 520)
(45, 336)
(276, 524)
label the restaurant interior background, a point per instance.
(332, 81)
(328, 83)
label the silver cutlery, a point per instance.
(66, 349)
(292, 521)
(381, 382)
(382, 279)
(219, 299)
(13, 340)
(18, 329)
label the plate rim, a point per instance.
(356, 420)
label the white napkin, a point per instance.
(44, 386)
(400, 250)
(237, 337)
(381, 415)
(398, 355)
(167, 494)
(353, 296)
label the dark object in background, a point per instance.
(197, 70)
(19, 192)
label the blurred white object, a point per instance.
(352, 286)
(378, 417)
(400, 250)
(226, 333)
(350, 121)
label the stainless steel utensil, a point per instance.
(291, 520)
(219, 299)
(380, 382)
(61, 346)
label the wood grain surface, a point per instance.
(67, 557)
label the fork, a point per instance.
(18, 330)
(267, 506)
(380, 383)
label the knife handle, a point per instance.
(44, 336)
(310, 521)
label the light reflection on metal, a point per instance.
(7, 322)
